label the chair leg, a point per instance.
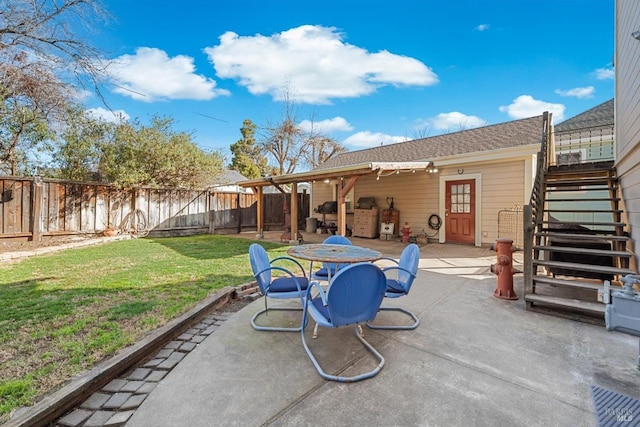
(354, 378)
(404, 328)
(274, 328)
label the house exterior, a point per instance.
(587, 137)
(627, 110)
(472, 176)
(228, 181)
(461, 180)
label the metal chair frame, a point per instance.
(354, 295)
(262, 273)
(405, 277)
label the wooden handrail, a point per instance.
(535, 209)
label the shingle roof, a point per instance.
(229, 176)
(599, 116)
(504, 135)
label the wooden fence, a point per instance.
(37, 209)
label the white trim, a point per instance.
(441, 202)
(529, 173)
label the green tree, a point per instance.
(78, 155)
(157, 156)
(27, 105)
(247, 156)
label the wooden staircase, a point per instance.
(579, 239)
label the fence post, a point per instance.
(212, 227)
(36, 232)
(239, 207)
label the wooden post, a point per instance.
(239, 210)
(36, 232)
(294, 211)
(342, 214)
(259, 213)
(342, 205)
(527, 256)
(212, 212)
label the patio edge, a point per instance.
(56, 404)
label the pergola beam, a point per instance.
(348, 175)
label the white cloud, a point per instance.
(107, 115)
(605, 73)
(453, 121)
(526, 106)
(366, 139)
(578, 92)
(316, 61)
(151, 75)
(482, 27)
(326, 126)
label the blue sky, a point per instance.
(365, 72)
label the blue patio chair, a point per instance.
(329, 269)
(283, 287)
(354, 295)
(398, 286)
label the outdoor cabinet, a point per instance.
(365, 223)
(391, 216)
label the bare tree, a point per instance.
(48, 32)
(421, 132)
(291, 146)
(319, 147)
(43, 61)
(284, 141)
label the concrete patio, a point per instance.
(474, 360)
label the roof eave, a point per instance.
(343, 171)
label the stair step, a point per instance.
(583, 267)
(579, 173)
(583, 251)
(582, 236)
(576, 284)
(578, 182)
(598, 167)
(591, 199)
(613, 211)
(594, 308)
(585, 223)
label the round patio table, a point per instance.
(337, 254)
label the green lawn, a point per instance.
(62, 313)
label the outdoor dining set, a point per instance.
(343, 286)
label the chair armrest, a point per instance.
(276, 268)
(286, 258)
(394, 267)
(321, 292)
(387, 259)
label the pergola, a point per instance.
(348, 175)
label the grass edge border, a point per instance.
(56, 404)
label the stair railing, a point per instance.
(534, 211)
